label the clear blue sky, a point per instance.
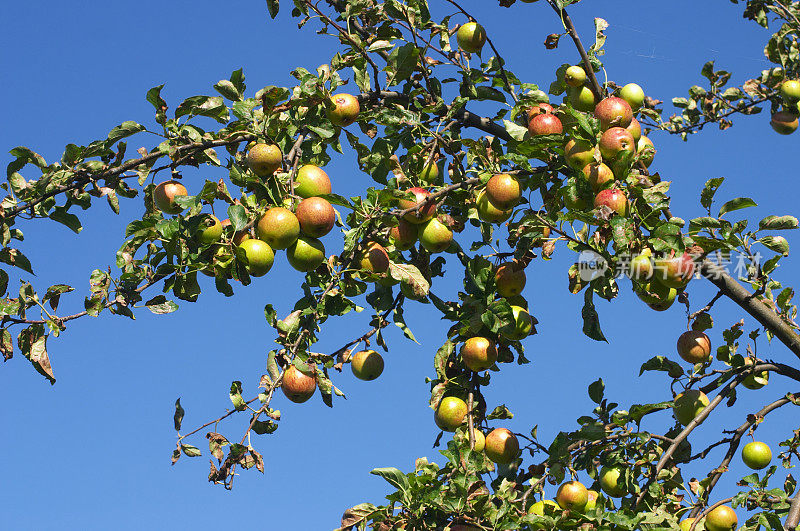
(93, 451)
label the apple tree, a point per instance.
(563, 163)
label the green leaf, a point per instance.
(61, 215)
(179, 413)
(661, 363)
(238, 216)
(776, 243)
(228, 90)
(272, 6)
(401, 63)
(591, 321)
(778, 223)
(596, 390)
(124, 130)
(736, 204)
(710, 188)
(236, 395)
(394, 476)
(160, 305)
(499, 413)
(190, 451)
(516, 131)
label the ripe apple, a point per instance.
(404, 235)
(641, 266)
(435, 236)
(523, 324)
(209, 230)
(721, 518)
(490, 213)
(582, 98)
(613, 112)
(278, 227)
(164, 196)
(756, 380)
(345, 110)
(374, 259)
(633, 95)
(688, 405)
(311, 181)
(451, 413)
(784, 122)
(790, 91)
(578, 153)
(756, 455)
(316, 216)
(635, 129)
(264, 159)
(647, 151)
(616, 143)
(256, 255)
(613, 198)
(572, 495)
(297, 385)
(598, 174)
(422, 215)
(502, 446)
(306, 254)
(575, 76)
(610, 481)
(503, 190)
(367, 365)
(694, 346)
(471, 37)
(675, 271)
(510, 278)
(479, 353)
(539, 108)
(545, 124)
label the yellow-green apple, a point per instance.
(572, 495)
(575, 76)
(489, 212)
(721, 518)
(611, 482)
(264, 159)
(598, 174)
(278, 227)
(451, 413)
(756, 455)
(344, 110)
(256, 255)
(435, 236)
(479, 353)
(501, 446)
(209, 230)
(366, 365)
(688, 405)
(646, 150)
(311, 181)
(471, 37)
(633, 94)
(582, 98)
(509, 277)
(306, 254)
(522, 325)
(578, 153)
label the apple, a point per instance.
(375, 259)
(256, 255)
(480, 440)
(756, 455)
(572, 198)
(578, 153)
(575, 76)
(721, 518)
(367, 365)
(479, 353)
(610, 481)
(510, 278)
(471, 37)
(311, 181)
(675, 271)
(164, 196)
(613, 198)
(616, 143)
(451, 413)
(404, 235)
(635, 129)
(688, 405)
(306, 254)
(344, 111)
(209, 230)
(641, 266)
(755, 380)
(264, 159)
(592, 501)
(430, 173)
(502, 446)
(646, 150)
(655, 293)
(539, 108)
(523, 324)
(613, 112)
(572, 495)
(686, 525)
(633, 95)
(490, 213)
(503, 190)
(278, 227)
(539, 507)
(435, 236)
(545, 124)
(694, 347)
(316, 216)
(598, 174)
(790, 90)
(582, 98)
(784, 122)
(425, 213)
(297, 385)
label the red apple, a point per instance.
(613, 198)
(617, 144)
(545, 124)
(613, 112)
(425, 213)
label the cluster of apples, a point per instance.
(785, 121)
